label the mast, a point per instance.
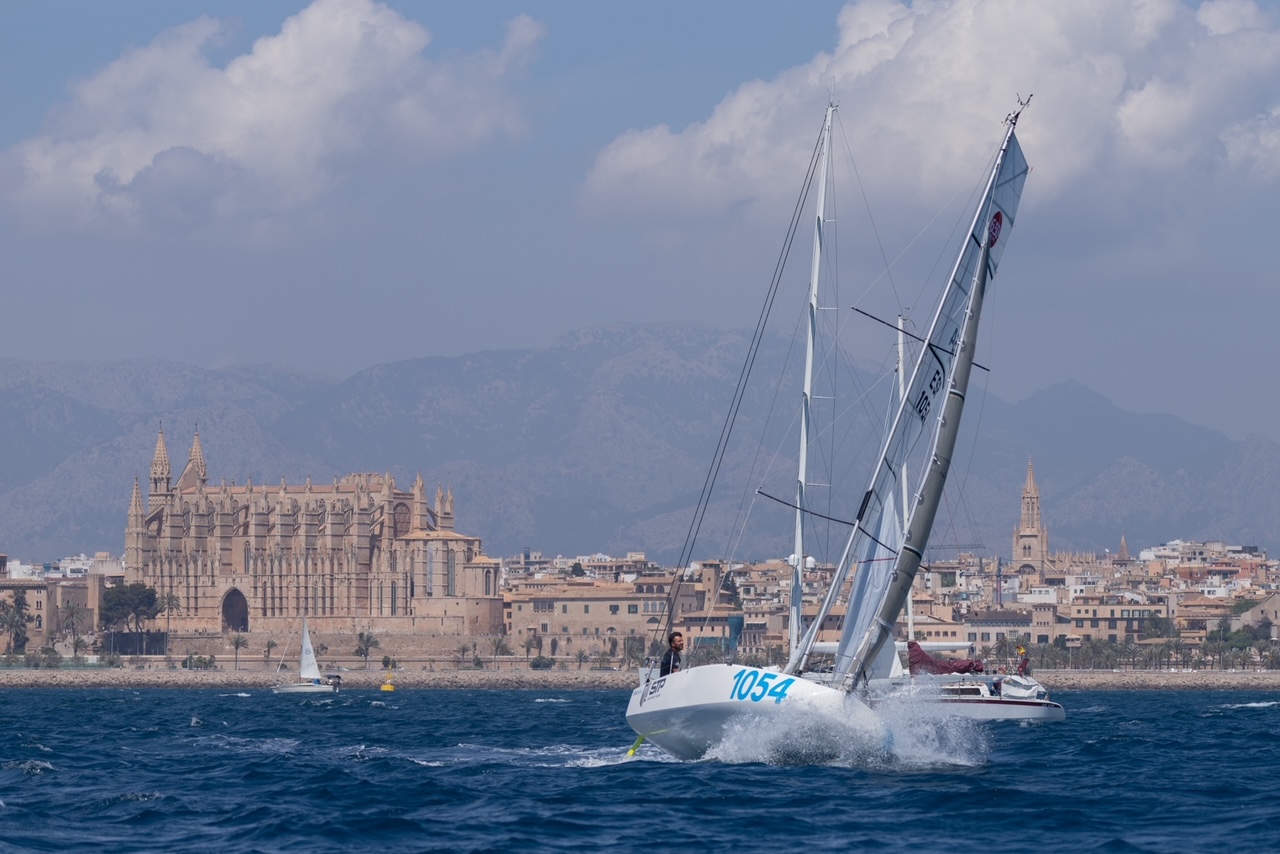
(988, 222)
(902, 395)
(806, 395)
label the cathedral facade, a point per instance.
(358, 554)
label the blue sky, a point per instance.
(331, 185)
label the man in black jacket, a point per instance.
(671, 658)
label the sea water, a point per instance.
(423, 770)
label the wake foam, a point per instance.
(902, 733)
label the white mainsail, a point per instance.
(308, 668)
(885, 559)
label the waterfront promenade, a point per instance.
(573, 679)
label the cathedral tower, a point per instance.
(161, 494)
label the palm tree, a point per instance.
(10, 623)
(266, 652)
(1130, 650)
(14, 619)
(582, 656)
(78, 646)
(73, 616)
(632, 650)
(366, 642)
(463, 651)
(168, 602)
(1004, 648)
(499, 647)
(238, 642)
(529, 643)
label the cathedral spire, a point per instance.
(196, 473)
(197, 458)
(135, 504)
(160, 459)
(160, 473)
(1031, 488)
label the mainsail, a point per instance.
(308, 668)
(924, 430)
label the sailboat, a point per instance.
(688, 711)
(309, 679)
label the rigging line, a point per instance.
(912, 335)
(962, 217)
(870, 536)
(913, 241)
(740, 529)
(726, 430)
(806, 512)
(982, 405)
(888, 272)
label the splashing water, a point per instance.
(906, 732)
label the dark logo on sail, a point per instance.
(996, 222)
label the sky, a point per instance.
(337, 184)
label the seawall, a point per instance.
(573, 679)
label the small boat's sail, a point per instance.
(308, 668)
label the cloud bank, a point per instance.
(161, 137)
(1124, 91)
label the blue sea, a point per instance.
(186, 770)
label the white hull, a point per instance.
(998, 709)
(687, 713)
(304, 688)
(973, 698)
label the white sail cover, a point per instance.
(308, 668)
(874, 545)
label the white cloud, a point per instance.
(161, 135)
(1223, 17)
(1129, 91)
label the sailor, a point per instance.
(671, 658)
(1024, 663)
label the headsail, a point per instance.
(929, 413)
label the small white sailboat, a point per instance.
(309, 679)
(687, 712)
(959, 691)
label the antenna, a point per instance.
(1012, 118)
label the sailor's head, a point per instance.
(675, 640)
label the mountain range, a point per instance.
(599, 443)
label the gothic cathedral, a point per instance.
(355, 555)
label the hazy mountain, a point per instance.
(599, 443)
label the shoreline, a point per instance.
(580, 680)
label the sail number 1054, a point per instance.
(754, 685)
